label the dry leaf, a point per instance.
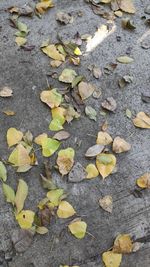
(65, 210)
(91, 112)
(123, 244)
(52, 52)
(111, 259)
(38, 140)
(92, 171)
(93, 151)
(127, 6)
(104, 138)
(78, 228)
(13, 136)
(109, 103)
(144, 181)
(67, 76)
(142, 120)
(106, 203)
(6, 92)
(85, 90)
(42, 230)
(51, 97)
(19, 157)
(62, 135)
(21, 194)
(43, 5)
(9, 112)
(120, 145)
(77, 174)
(20, 41)
(105, 164)
(65, 160)
(64, 17)
(55, 63)
(58, 116)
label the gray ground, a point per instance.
(25, 73)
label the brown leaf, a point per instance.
(62, 135)
(77, 173)
(120, 145)
(109, 104)
(64, 17)
(6, 92)
(85, 90)
(123, 244)
(106, 203)
(93, 151)
(142, 120)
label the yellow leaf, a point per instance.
(51, 97)
(65, 210)
(25, 219)
(9, 193)
(144, 181)
(13, 136)
(65, 160)
(77, 51)
(21, 194)
(55, 195)
(111, 259)
(104, 138)
(142, 120)
(41, 230)
(20, 41)
(38, 140)
(53, 53)
(9, 112)
(92, 171)
(120, 145)
(42, 203)
(49, 146)
(105, 164)
(58, 119)
(43, 6)
(19, 156)
(123, 244)
(127, 6)
(78, 228)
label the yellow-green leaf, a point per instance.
(58, 119)
(144, 181)
(67, 76)
(38, 140)
(13, 136)
(65, 160)
(55, 195)
(105, 164)
(41, 230)
(92, 171)
(21, 194)
(19, 157)
(9, 193)
(25, 219)
(111, 259)
(49, 146)
(53, 53)
(20, 41)
(3, 172)
(65, 210)
(78, 228)
(51, 97)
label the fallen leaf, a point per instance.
(77, 51)
(93, 151)
(120, 145)
(127, 6)
(9, 112)
(52, 52)
(55, 196)
(21, 194)
(123, 244)
(28, 138)
(108, 69)
(85, 90)
(77, 174)
(19, 157)
(25, 219)
(142, 120)
(106, 203)
(128, 113)
(125, 59)
(128, 24)
(144, 181)
(91, 112)
(65, 210)
(104, 126)
(127, 79)
(20, 41)
(62, 135)
(104, 138)
(105, 164)
(78, 228)
(97, 73)
(55, 63)
(22, 239)
(13, 136)
(64, 17)
(38, 140)
(6, 92)
(49, 146)
(110, 104)
(71, 114)
(97, 93)
(67, 76)
(111, 259)
(65, 160)
(43, 5)
(76, 81)
(92, 171)
(25, 10)
(9, 193)
(58, 116)
(42, 230)
(51, 97)
(3, 172)
(147, 9)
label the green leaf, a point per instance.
(3, 171)
(49, 146)
(90, 112)
(9, 193)
(76, 80)
(55, 195)
(21, 194)
(104, 159)
(22, 27)
(125, 59)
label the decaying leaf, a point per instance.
(62, 135)
(110, 104)
(104, 138)
(65, 210)
(65, 160)
(52, 52)
(85, 90)
(9, 193)
(77, 174)
(43, 5)
(92, 171)
(142, 120)
(120, 145)
(25, 219)
(123, 244)
(111, 259)
(51, 97)
(105, 164)
(106, 203)
(6, 92)
(55, 196)
(21, 194)
(67, 76)
(38, 140)
(93, 151)
(3, 172)
(49, 146)
(144, 181)
(64, 17)
(125, 59)
(91, 112)
(13, 136)
(78, 228)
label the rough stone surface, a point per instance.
(25, 72)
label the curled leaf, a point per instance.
(6, 92)
(144, 181)
(43, 5)
(93, 151)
